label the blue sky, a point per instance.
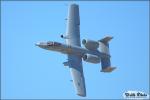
(29, 72)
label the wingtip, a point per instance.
(82, 95)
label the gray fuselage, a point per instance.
(67, 49)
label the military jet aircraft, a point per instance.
(94, 51)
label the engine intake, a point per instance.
(90, 44)
(91, 58)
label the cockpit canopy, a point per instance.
(50, 43)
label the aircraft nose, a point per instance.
(37, 44)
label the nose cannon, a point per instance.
(41, 44)
(37, 44)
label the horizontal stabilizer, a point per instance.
(106, 39)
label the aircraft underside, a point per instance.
(94, 51)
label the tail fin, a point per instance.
(105, 59)
(106, 39)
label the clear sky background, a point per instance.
(29, 72)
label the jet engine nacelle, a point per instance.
(91, 58)
(90, 44)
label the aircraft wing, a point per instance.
(73, 38)
(76, 70)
